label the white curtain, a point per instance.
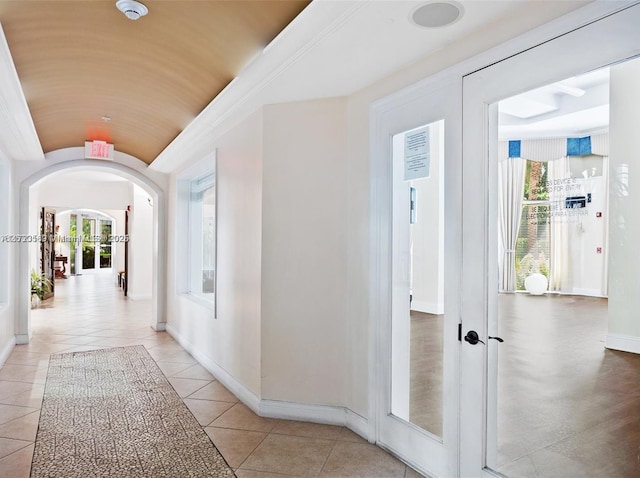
(560, 260)
(510, 195)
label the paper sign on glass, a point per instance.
(417, 156)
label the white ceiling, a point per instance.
(335, 48)
(576, 106)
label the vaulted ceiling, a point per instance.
(88, 72)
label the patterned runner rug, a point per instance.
(112, 413)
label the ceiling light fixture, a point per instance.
(132, 9)
(569, 90)
(437, 14)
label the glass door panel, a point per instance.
(418, 300)
(549, 268)
(105, 244)
(88, 243)
(73, 234)
(549, 393)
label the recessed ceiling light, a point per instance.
(437, 14)
(132, 9)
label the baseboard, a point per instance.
(357, 424)
(587, 292)
(281, 409)
(427, 307)
(624, 343)
(245, 395)
(6, 350)
(135, 296)
(326, 414)
(22, 339)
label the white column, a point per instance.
(624, 219)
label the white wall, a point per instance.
(624, 225)
(587, 233)
(304, 287)
(61, 192)
(141, 257)
(281, 283)
(230, 343)
(35, 223)
(7, 263)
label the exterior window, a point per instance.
(202, 233)
(532, 250)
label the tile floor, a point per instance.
(89, 312)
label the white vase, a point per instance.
(35, 301)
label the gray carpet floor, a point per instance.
(112, 413)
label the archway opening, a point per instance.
(116, 200)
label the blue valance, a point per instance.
(579, 146)
(514, 149)
(549, 149)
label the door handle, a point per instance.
(472, 337)
(497, 338)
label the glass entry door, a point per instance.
(73, 244)
(550, 360)
(88, 243)
(106, 234)
(416, 315)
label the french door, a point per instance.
(606, 42)
(415, 311)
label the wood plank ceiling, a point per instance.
(80, 61)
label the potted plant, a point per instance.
(40, 285)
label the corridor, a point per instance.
(90, 312)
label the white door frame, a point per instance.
(609, 40)
(438, 99)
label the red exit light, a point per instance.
(98, 150)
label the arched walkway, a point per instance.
(22, 300)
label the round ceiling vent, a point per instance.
(132, 9)
(437, 14)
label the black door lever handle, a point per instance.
(472, 337)
(497, 338)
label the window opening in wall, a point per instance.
(202, 228)
(532, 248)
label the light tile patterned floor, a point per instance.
(90, 312)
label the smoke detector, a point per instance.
(132, 9)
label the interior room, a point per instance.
(560, 390)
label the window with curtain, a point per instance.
(532, 247)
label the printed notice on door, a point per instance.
(417, 156)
